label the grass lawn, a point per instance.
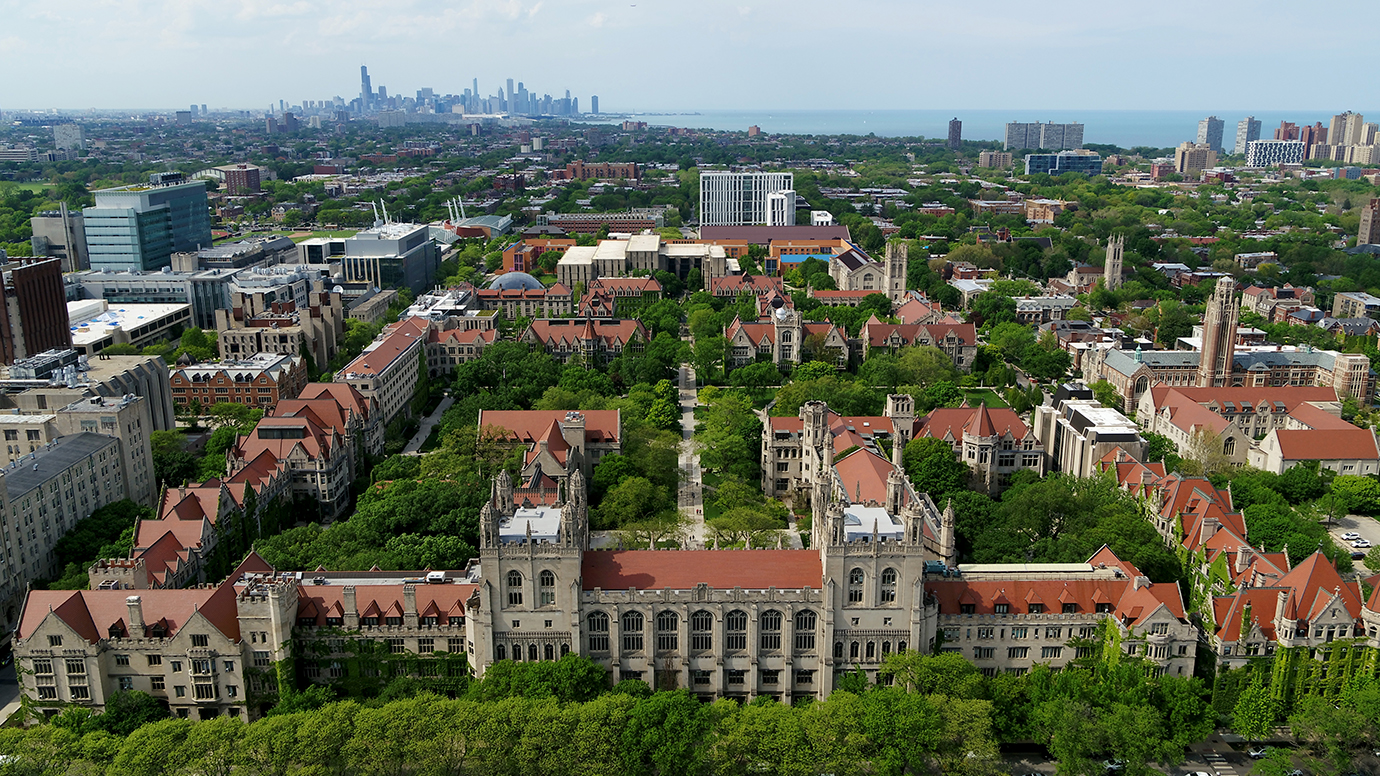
(36, 186)
(987, 396)
(294, 236)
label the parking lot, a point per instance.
(1367, 527)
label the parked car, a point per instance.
(1114, 766)
(1361, 544)
(1257, 752)
(1350, 536)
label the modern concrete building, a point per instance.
(205, 290)
(32, 309)
(61, 234)
(393, 255)
(69, 137)
(57, 378)
(281, 311)
(1355, 304)
(1190, 159)
(1082, 162)
(96, 324)
(140, 227)
(955, 134)
(740, 198)
(1050, 137)
(1076, 431)
(1247, 131)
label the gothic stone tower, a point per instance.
(529, 590)
(1219, 336)
(1111, 270)
(897, 265)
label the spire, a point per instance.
(947, 523)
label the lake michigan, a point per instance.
(1125, 128)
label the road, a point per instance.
(1367, 527)
(691, 497)
(414, 445)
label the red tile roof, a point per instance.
(684, 569)
(1327, 445)
(531, 425)
(92, 612)
(950, 423)
(397, 339)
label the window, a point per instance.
(855, 586)
(1001, 608)
(1054, 633)
(701, 631)
(396, 646)
(1229, 446)
(771, 677)
(889, 586)
(514, 588)
(155, 660)
(986, 633)
(177, 666)
(838, 650)
(456, 644)
(1051, 653)
(1070, 609)
(43, 666)
(47, 693)
(598, 632)
(76, 667)
(805, 630)
(967, 608)
(804, 677)
(532, 652)
(501, 652)
(126, 683)
(180, 691)
(701, 677)
(204, 691)
(200, 640)
(157, 682)
(1037, 608)
(122, 660)
(871, 650)
(769, 625)
(854, 650)
(1103, 608)
(547, 582)
(80, 692)
(261, 660)
(735, 630)
(667, 632)
(1017, 653)
(984, 653)
(550, 651)
(632, 631)
(201, 666)
(54, 641)
(736, 676)
(232, 691)
(1160, 628)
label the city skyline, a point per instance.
(276, 49)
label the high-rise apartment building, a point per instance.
(740, 198)
(140, 227)
(594, 104)
(1369, 233)
(69, 137)
(1210, 133)
(1193, 158)
(1346, 129)
(996, 159)
(1051, 136)
(1270, 153)
(955, 133)
(1288, 130)
(1310, 136)
(1247, 129)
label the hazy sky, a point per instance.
(694, 54)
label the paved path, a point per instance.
(691, 497)
(414, 445)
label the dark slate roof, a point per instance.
(30, 472)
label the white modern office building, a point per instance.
(744, 198)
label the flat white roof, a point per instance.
(545, 523)
(858, 522)
(88, 328)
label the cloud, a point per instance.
(597, 20)
(531, 12)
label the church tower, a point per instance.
(1111, 270)
(897, 267)
(900, 407)
(1219, 336)
(790, 335)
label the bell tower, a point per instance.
(897, 267)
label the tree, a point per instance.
(989, 309)
(933, 468)
(1205, 454)
(127, 711)
(1108, 396)
(756, 375)
(633, 500)
(1356, 494)
(812, 370)
(1255, 713)
(748, 526)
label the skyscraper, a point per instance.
(511, 94)
(1247, 129)
(366, 89)
(1369, 233)
(1210, 133)
(1051, 137)
(955, 133)
(1219, 336)
(594, 104)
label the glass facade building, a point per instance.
(140, 227)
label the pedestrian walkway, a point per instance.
(691, 496)
(414, 445)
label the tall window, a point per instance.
(598, 632)
(514, 588)
(1229, 446)
(769, 624)
(889, 586)
(667, 632)
(547, 583)
(805, 630)
(855, 586)
(632, 631)
(735, 630)
(701, 631)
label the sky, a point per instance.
(693, 54)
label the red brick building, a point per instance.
(259, 381)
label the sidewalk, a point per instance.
(414, 445)
(691, 496)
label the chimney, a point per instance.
(1244, 555)
(349, 597)
(136, 616)
(409, 599)
(1139, 582)
(1210, 526)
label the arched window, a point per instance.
(769, 628)
(550, 651)
(598, 632)
(838, 650)
(889, 586)
(667, 632)
(805, 630)
(853, 650)
(871, 649)
(547, 582)
(532, 652)
(701, 631)
(886, 648)
(500, 652)
(1229, 446)
(632, 631)
(514, 588)
(855, 586)
(900, 647)
(735, 630)
(565, 649)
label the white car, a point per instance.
(1257, 752)
(1360, 544)
(1350, 536)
